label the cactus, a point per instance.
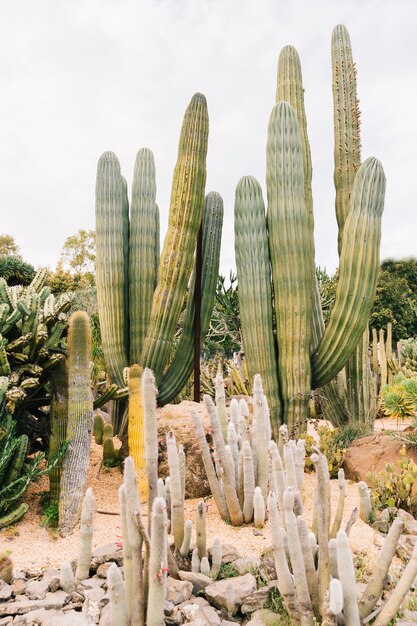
(79, 425)
(177, 510)
(365, 505)
(117, 600)
(258, 508)
(158, 564)
(86, 537)
(205, 566)
(6, 568)
(201, 539)
(216, 558)
(136, 427)
(151, 433)
(98, 425)
(309, 356)
(66, 577)
(186, 542)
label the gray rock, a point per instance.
(410, 527)
(54, 600)
(267, 618)
(255, 601)
(6, 591)
(91, 583)
(37, 589)
(109, 552)
(6, 620)
(385, 515)
(240, 586)
(71, 618)
(405, 515)
(247, 564)
(267, 566)
(168, 607)
(405, 546)
(198, 581)
(201, 615)
(381, 526)
(178, 590)
(227, 622)
(103, 569)
(54, 584)
(229, 553)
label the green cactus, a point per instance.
(80, 422)
(98, 426)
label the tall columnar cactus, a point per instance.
(308, 356)
(140, 299)
(80, 422)
(136, 427)
(58, 419)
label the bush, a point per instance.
(391, 488)
(15, 271)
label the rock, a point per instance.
(103, 569)
(54, 600)
(109, 552)
(37, 589)
(177, 418)
(258, 532)
(242, 586)
(405, 516)
(371, 454)
(178, 590)
(229, 553)
(168, 607)
(201, 615)
(54, 584)
(385, 515)
(70, 618)
(405, 546)
(264, 617)
(246, 564)
(6, 620)
(255, 601)
(198, 581)
(91, 583)
(267, 566)
(6, 591)
(93, 603)
(381, 526)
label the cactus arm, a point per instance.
(323, 521)
(195, 561)
(340, 504)
(376, 583)
(181, 366)
(186, 542)
(111, 235)
(220, 400)
(291, 261)
(86, 537)
(66, 577)
(127, 549)
(216, 558)
(133, 509)
(177, 509)
(248, 482)
(347, 569)
(209, 467)
(285, 580)
(359, 264)
(58, 417)
(255, 292)
(117, 600)
(136, 427)
(80, 422)
(258, 508)
(151, 433)
(144, 224)
(310, 569)
(185, 215)
(158, 564)
(14, 516)
(262, 440)
(201, 531)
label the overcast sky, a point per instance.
(79, 77)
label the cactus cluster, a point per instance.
(140, 296)
(238, 472)
(315, 569)
(283, 331)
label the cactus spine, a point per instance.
(86, 537)
(80, 422)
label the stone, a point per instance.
(37, 589)
(267, 566)
(103, 569)
(372, 454)
(178, 590)
(90, 583)
(255, 601)
(177, 417)
(54, 600)
(264, 617)
(229, 553)
(242, 586)
(198, 581)
(405, 516)
(71, 618)
(381, 526)
(54, 584)
(246, 564)
(6, 591)
(104, 554)
(201, 615)
(168, 607)
(97, 594)
(6, 620)
(405, 546)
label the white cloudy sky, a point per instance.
(82, 76)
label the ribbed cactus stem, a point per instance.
(290, 465)
(352, 519)
(220, 399)
(201, 531)
(209, 467)
(382, 358)
(262, 440)
(117, 600)
(248, 482)
(168, 495)
(127, 548)
(181, 465)
(136, 427)
(285, 580)
(279, 480)
(216, 558)
(98, 429)
(282, 439)
(309, 565)
(58, 421)
(235, 512)
(241, 479)
(397, 596)
(235, 413)
(177, 508)
(334, 603)
(133, 509)
(66, 577)
(86, 537)
(323, 520)
(365, 505)
(296, 557)
(158, 565)
(299, 460)
(244, 409)
(205, 566)
(334, 571)
(160, 489)
(151, 433)
(346, 567)
(195, 561)
(232, 442)
(80, 422)
(340, 503)
(273, 517)
(375, 585)
(388, 352)
(258, 508)
(185, 215)
(186, 542)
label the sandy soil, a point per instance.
(33, 546)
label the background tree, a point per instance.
(8, 246)
(79, 253)
(15, 270)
